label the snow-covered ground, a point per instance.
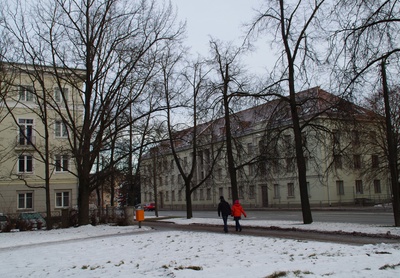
(109, 251)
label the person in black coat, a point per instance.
(224, 209)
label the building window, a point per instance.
(60, 129)
(166, 180)
(172, 164)
(290, 164)
(357, 161)
(340, 187)
(287, 144)
(275, 165)
(355, 138)
(25, 132)
(277, 193)
(221, 191)
(60, 95)
(208, 193)
(262, 168)
(173, 195)
(219, 174)
(375, 161)
(25, 164)
(336, 141)
(308, 190)
(195, 197)
(62, 199)
(377, 186)
(252, 192)
(167, 195)
(25, 200)
(359, 187)
(338, 161)
(62, 163)
(179, 195)
(229, 193)
(304, 140)
(250, 149)
(251, 169)
(241, 192)
(201, 194)
(26, 93)
(290, 190)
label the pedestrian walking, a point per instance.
(224, 209)
(237, 211)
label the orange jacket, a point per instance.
(237, 210)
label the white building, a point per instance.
(32, 101)
(342, 144)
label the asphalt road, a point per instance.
(349, 215)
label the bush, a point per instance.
(8, 227)
(24, 225)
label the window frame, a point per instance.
(62, 198)
(377, 186)
(26, 131)
(60, 129)
(58, 95)
(277, 191)
(290, 190)
(25, 164)
(26, 93)
(359, 187)
(61, 163)
(26, 200)
(340, 188)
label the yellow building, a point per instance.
(34, 133)
(342, 143)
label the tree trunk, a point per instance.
(392, 149)
(228, 132)
(83, 201)
(189, 209)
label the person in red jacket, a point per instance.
(237, 211)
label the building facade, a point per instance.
(35, 139)
(342, 143)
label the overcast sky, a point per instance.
(221, 19)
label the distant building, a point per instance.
(29, 98)
(342, 144)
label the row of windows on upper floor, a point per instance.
(25, 200)
(204, 156)
(27, 94)
(276, 167)
(26, 164)
(206, 193)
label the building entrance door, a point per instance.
(264, 196)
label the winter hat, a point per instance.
(221, 198)
(236, 202)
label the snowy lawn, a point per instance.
(107, 251)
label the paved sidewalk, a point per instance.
(296, 234)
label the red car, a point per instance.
(149, 206)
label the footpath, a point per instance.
(353, 238)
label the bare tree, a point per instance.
(293, 24)
(226, 89)
(369, 30)
(115, 43)
(192, 84)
